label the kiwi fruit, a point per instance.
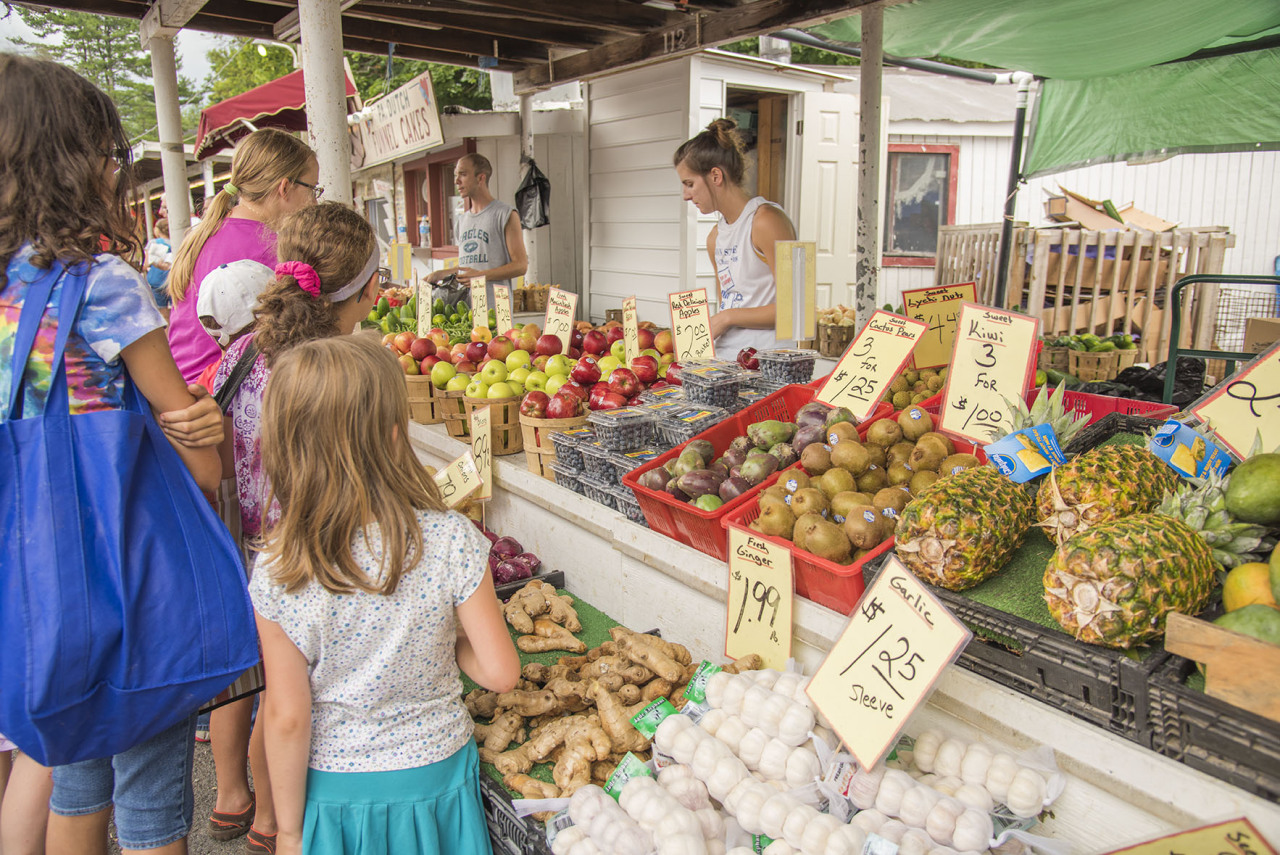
(945, 440)
(884, 433)
(804, 525)
(926, 456)
(901, 400)
(957, 461)
(776, 520)
(835, 480)
(809, 500)
(776, 491)
(816, 458)
(891, 497)
(872, 480)
(915, 422)
(842, 502)
(862, 526)
(899, 452)
(926, 373)
(920, 480)
(859, 554)
(899, 475)
(851, 456)
(827, 541)
(877, 455)
(935, 384)
(766, 500)
(841, 432)
(920, 397)
(791, 481)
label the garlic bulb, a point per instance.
(753, 704)
(892, 830)
(712, 721)
(732, 799)
(974, 796)
(915, 842)
(926, 749)
(941, 822)
(741, 850)
(948, 785)
(752, 747)
(928, 779)
(705, 757)
(734, 690)
(773, 760)
(775, 812)
(715, 846)
(893, 787)
(802, 767)
(711, 821)
(797, 821)
(715, 688)
(668, 728)
(771, 714)
(725, 776)
(779, 847)
(566, 839)
(863, 787)
(818, 832)
(680, 781)
(973, 830)
(682, 843)
(1000, 775)
(731, 732)
(975, 763)
(795, 724)
(751, 806)
(916, 804)
(786, 684)
(846, 840)
(943, 850)
(950, 754)
(1026, 794)
(869, 821)
(586, 803)
(685, 743)
(765, 677)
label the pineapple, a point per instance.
(1115, 584)
(1050, 409)
(963, 527)
(1107, 483)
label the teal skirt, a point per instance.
(431, 809)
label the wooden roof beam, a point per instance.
(618, 15)
(166, 17)
(406, 51)
(440, 40)
(494, 27)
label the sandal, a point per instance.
(229, 826)
(258, 843)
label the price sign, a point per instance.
(1246, 405)
(458, 480)
(760, 597)
(1232, 837)
(994, 357)
(691, 326)
(871, 362)
(939, 308)
(899, 639)
(562, 308)
(480, 301)
(482, 448)
(423, 292)
(502, 309)
(630, 329)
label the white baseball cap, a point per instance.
(228, 294)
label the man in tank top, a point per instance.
(490, 240)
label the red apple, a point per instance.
(673, 374)
(540, 362)
(459, 350)
(465, 366)
(645, 368)
(476, 351)
(566, 406)
(501, 348)
(409, 365)
(595, 343)
(611, 401)
(576, 389)
(534, 404)
(585, 371)
(548, 345)
(646, 338)
(404, 341)
(596, 395)
(575, 352)
(525, 341)
(440, 337)
(635, 402)
(747, 358)
(575, 339)
(427, 362)
(663, 342)
(659, 384)
(614, 334)
(625, 382)
(389, 340)
(422, 348)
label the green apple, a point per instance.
(651, 352)
(458, 383)
(519, 375)
(559, 365)
(662, 369)
(518, 358)
(536, 381)
(554, 382)
(441, 373)
(618, 350)
(477, 389)
(608, 363)
(604, 375)
(494, 371)
(501, 389)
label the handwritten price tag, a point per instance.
(994, 357)
(482, 448)
(1232, 837)
(1247, 404)
(562, 308)
(502, 309)
(898, 641)
(871, 362)
(691, 326)
(760, 596)
(480, 301)
(423, 293)
(630, 329)
(458, 480)
(939, 308)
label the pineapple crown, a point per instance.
(1049, 408)
(1201, 504)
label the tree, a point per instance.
(239, 66)
(107, 51)
(454, 85)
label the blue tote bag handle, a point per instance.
(124, 602)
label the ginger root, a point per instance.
(541, 743)
(615, 718)
(501, 732)
(584, 744)
(549, 635)
(653, 653)
(605, 665)
(528, 704)
(532, 788)
(629, 693)
(481, 703)
(750, 662)
(536, 599)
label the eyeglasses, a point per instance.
(121, 157)
(384, 277)
(316, 189)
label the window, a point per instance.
(921, 196)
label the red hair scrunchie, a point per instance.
(308, 279)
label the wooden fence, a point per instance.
(1104, 282)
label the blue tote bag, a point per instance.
(123, 605)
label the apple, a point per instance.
(667, 358)
(645, 368)
(458, 383)
(540, 362)
(531, 329)
(519, 375)
(548, 344)
(649, 351)
(663, 342)
(672, 374)
(404, 341)
(459, 351)
(559, 364)
(585, 370)
(440, 337)
(441, 373)
(481, 334)
(477, 388)
(610, 362)
(427, 363)
(575, 353)
(501, 389)
(618, 350)
(564, 407)
(409, 364)
(614, 334)
(501, 348)
(493, 372)
(525, 341)
(575, 338)
(594, 343)
(422, 348)
(555, 383)
(662, 372)
(476, 351)
(596, 395)
(604, 375)
(611, 401)
(389, 340)
(534, 404)
(576, 389)
(536, 380)
(516, 359)
(645, 337)
(625, 382)
(466, 366)
(635, 402)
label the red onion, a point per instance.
(506, 547)
(511, 570)
(533, 561)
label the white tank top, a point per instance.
(482, 240)
(745, 281)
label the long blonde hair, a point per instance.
(335, 449)
(261, 160)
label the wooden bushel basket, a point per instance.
(539, 452)
(1057, 358)
(1091, 367)
(453, 410)
(422, 401)
(833, 339)
(504, 422)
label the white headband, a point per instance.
(359, 282)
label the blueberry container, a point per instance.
(598, 491)
(597, 463)
(624, 461)
(567, 476)
(681, 424)
(566, 445)
(787, 365)
(666, 393)
(623, 429)
(626, 503)
(714, 384)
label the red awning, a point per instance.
(278, 104)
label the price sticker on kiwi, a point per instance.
(871, 363)
(562, 308)
(760, 599)
(994, 358)
(502, 309)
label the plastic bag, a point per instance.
(451, 291)
(533, 197)
(1188, 381)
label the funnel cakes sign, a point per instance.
(401, 123)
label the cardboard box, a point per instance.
(1260, 333)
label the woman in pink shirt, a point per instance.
(273, 174)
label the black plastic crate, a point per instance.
(554, 578)
(508, 832)
(1211, 735)
(1108, 426)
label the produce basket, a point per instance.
(1109, 425)
(1055, 358)
(1126, 359)
(422, 406)
(539, 450)
(517, 300)
(453, 409)
(1091, 367)
(510, 833)
(504, 422)
(833, 339)
(1211, 735)
(1101, 406)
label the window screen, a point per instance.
(918, 203)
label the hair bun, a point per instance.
(723, 129)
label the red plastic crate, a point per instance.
(1097, 406)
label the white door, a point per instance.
(826, 144)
